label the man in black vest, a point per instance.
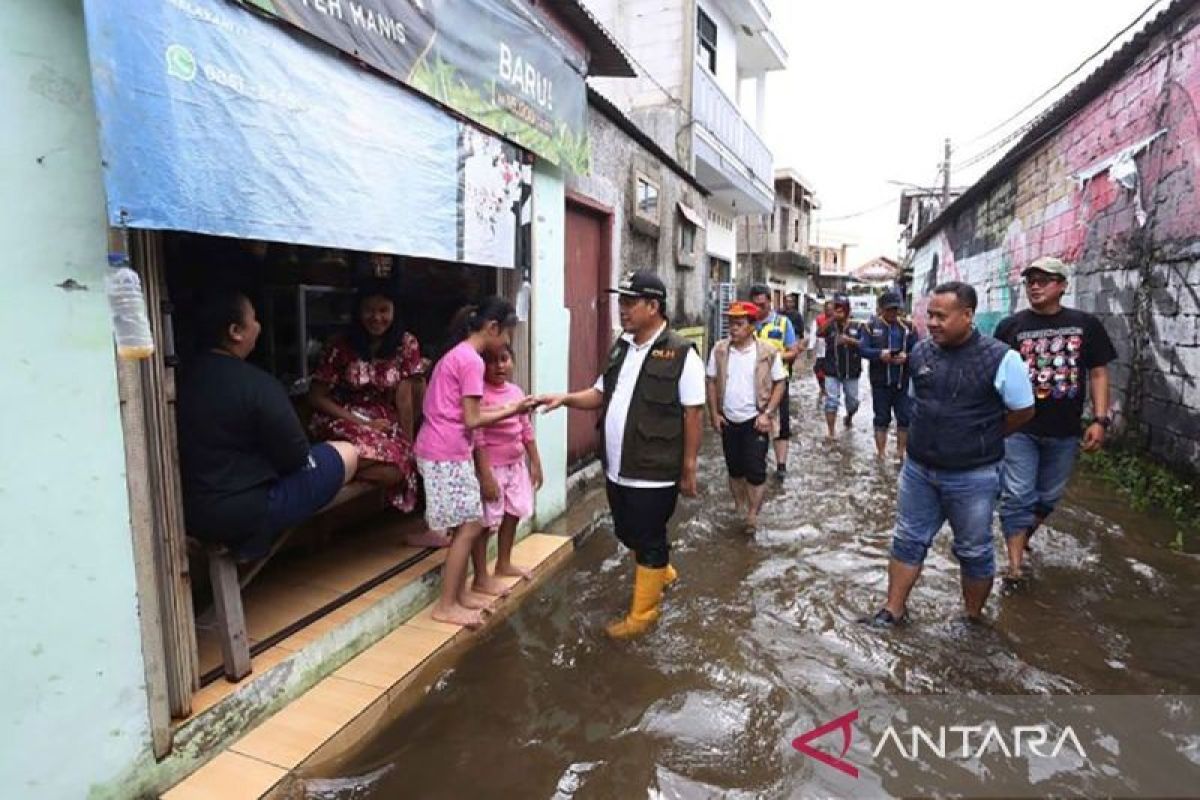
(651, 397)
(969, 392)
(843, 363)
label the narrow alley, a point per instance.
(398, 391)
(761, 632)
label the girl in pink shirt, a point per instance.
(444, 450)
(507, 483)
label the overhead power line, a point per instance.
(860, 213)
(1059, 83)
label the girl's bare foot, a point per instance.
(469, 599)
(457, 615)
(427, 538)
(487, 584)
(513, 571)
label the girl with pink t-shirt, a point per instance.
(444, 450)
(508, 483)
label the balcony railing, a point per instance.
(713, 109)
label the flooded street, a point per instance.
(760, 632)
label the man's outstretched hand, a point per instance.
(551, 402)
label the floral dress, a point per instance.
(368, 389)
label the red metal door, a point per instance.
(587, 270)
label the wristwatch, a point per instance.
(1104, 422)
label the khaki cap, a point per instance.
(1047, 264)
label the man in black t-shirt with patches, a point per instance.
(1066, 350)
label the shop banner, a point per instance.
(223, 122)
(490, 60)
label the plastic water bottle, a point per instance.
(130, 324)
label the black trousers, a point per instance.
(785, 412)
(745, 451)
(640, 518)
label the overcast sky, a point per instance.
(874, 86)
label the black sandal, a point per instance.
(884, 619)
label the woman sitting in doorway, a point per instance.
(366, 390)
(247, 470)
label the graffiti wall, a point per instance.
(1112, 191)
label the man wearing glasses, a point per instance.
(1065, 350)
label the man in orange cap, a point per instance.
(746, 381)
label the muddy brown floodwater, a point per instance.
(758, 630)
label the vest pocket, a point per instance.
(658, 428)
(660, 390)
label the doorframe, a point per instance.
(147, 395)
(607, 217)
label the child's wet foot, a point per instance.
(457, 615)
(470, 599)
(491, 586)
(512, 571)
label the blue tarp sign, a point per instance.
(215, 120)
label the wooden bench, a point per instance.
(227, 586)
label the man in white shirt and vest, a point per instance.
(651, 398)
(746, 381)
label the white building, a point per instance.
(701, 94)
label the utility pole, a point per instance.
(946, 175)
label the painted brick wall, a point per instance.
(1134, 246)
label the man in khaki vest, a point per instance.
(746, 382)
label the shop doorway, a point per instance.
(304, 297)
(588, 249)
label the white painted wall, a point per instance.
(653, 32)
(727, 74)
(721, 234)
(551, 324)
(73, 706)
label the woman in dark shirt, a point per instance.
(248, 472)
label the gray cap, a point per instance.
(890, 300)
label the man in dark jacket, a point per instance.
(886, 342)
(651, 398)
(843, 363)
(969, 392)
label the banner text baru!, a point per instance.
(490, 60)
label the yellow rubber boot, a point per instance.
(671, 576)
(647, 601)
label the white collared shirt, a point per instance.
(741, 394)
(691, 393)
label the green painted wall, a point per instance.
(73, 708)
(551, 324)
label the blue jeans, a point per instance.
(834, 387)
(888, 400)
(1036, 472)
(966, 498)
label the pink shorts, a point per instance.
(516, 494)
